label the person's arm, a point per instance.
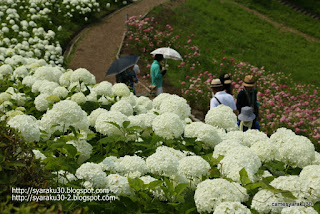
(157, 72)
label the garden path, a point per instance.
(96, 47)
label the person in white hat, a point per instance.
(247, 119)
(220, 96)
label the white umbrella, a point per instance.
(168, 53)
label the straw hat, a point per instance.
(249, 81)
(216, 83)
(246, 114)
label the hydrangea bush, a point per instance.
(147, 153)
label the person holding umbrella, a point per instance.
(129, 78)
(157, 73)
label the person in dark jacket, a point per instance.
(248, 96)
(247, 119)
(128, 77)
(226, 81)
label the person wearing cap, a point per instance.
(247, 119)
(226, 81)
(157, 73)
(248, 96)
(220, 96)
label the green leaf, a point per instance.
(244, 178)
(316, 206)
(72, 151)
(215, 161)
(173, 204)
(15, 164)
(179, 189)
(136, 183)
(253, 186)
(125, 124)
(191, 210)
(288, 194)
(154, 184)
(115, 124)
(75, 133)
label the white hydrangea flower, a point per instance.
(41, 103)
(162, 163)
(39, 84)
(83, 75)
(20, 72)
(11, 114)
(6, 70)
(253, 135)
(29, 81)
(193, 167)
(223, 147)
(104, 127)
(296, 151)
(231, 208)
(144, 104)
(263, 200)
(177, 153)
(77, 87)
(132, 164)
(93, 173)
(64, 114)
(236, 159)
(281, 135)
(121, 90)
(61, 92)
(132, 99)
(95, 114)
(157, 192)
(203, 132)
(5, 96)
(148, 118)
(104, 88)
(27, 125)
(79, 98)
(84, 148)
(119, 185)
(168, 125)
(316, 158)
(109, 163)
(65, 78)
(223, 117)
(177, 105)
(137, 120)
(238, 136)
(47, 87)
(93, 97)
(211, 193)
(292, 183)
(38, 154)
(310, 176)
(265, 150)
(49, 73)
(159, 99)
(299, 210)
(122, 106)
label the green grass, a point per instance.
(225, 29)
(285, 15)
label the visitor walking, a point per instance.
(247, 119)
(226, 81)
(129, 78)
(248, 96)
(220, 96)
(157, 73)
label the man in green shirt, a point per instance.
(157, 73)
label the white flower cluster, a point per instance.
(210, 193)
(299, 210)
(222, 117)
(28, 127)
(82, 147)
(168, 125)
(64, 114)
(121, 90)
(95, 114)
(231, 208)
(177, 105)
(132, 166)
(265, 150)
(104, 88)
(92, 173)
(118, 185)
(193, 167)
(262, 201)
(237, 158)
(104, 126)
(295, 150)
(162, 163)
(203, 132)
(144, 104)
(82, 75)
(310, 176)
(122, 106)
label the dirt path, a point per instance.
(280, 26)
(98, 45)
